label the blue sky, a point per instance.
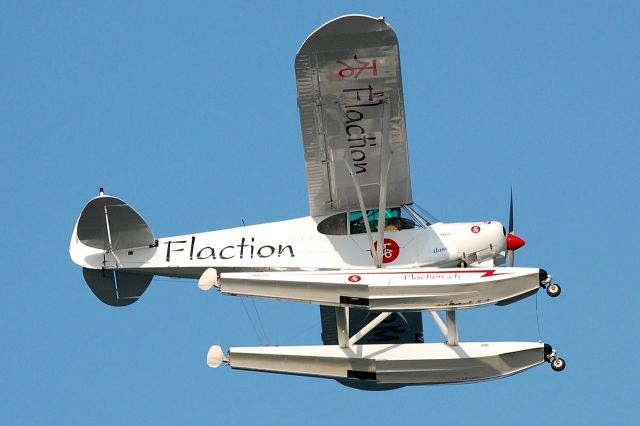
(188, 112)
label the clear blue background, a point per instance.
(188, 111)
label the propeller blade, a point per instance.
(513, 241)
(511, 213)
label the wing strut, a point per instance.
(385, 164)
(363, 210)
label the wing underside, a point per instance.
(352, 115)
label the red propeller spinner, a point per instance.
(514, 242)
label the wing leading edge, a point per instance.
(352, 115)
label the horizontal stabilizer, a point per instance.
(109, 223)
(116, 288)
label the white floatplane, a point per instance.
(371, 273)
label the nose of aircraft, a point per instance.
(478, 242)
(514, 242)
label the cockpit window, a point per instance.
(395, 219)
(334, 225)
(427, 217)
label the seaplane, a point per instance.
(367, 255)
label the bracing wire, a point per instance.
(538, 318)
(264, 333)
(258, 329)
(246, 311)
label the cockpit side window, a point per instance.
(334, 225)
(395, 219)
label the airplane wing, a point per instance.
(355, 144)
(352, 116)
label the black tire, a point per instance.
(558, 364)
(554, 290)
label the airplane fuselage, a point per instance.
(297, 244)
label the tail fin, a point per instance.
(109, 225)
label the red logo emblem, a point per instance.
(354, 278)
(475, 229)
(353, 69)
(391, 250)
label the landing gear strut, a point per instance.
(550, 355)
(553, 289)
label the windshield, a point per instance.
(395, 219)
(427, 217)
